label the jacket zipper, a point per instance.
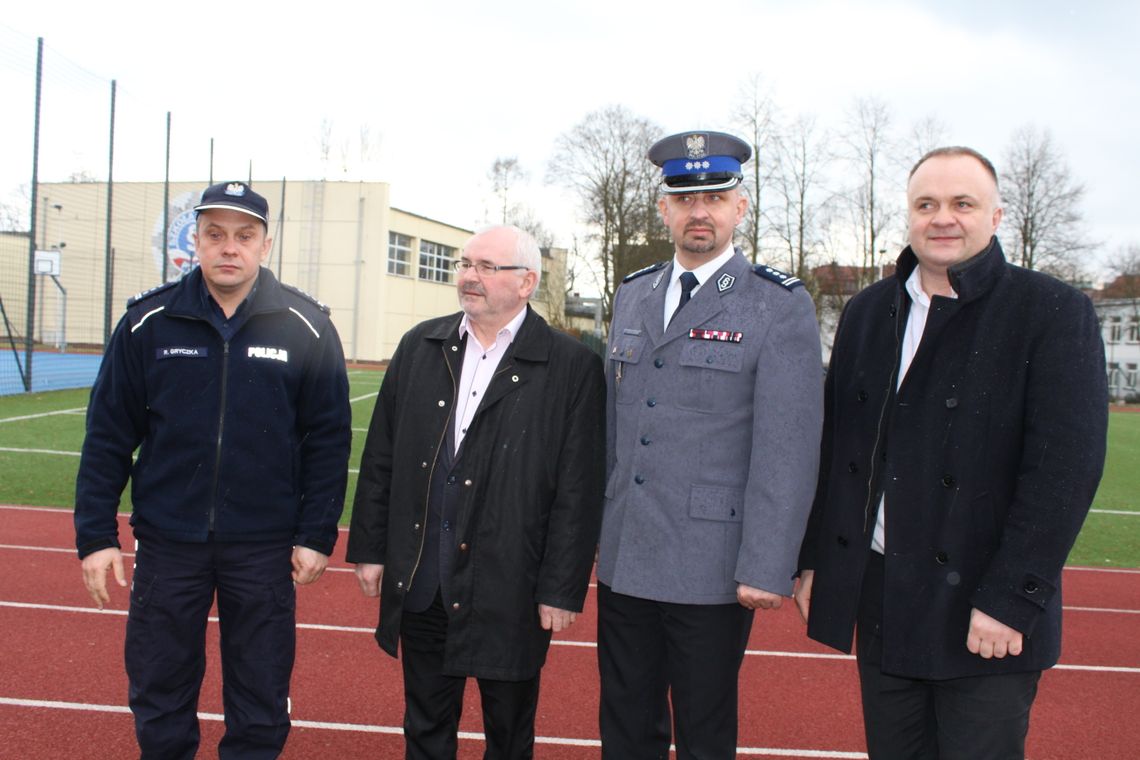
(431, 474)
(221, 426)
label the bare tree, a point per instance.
(867, 140)
(324, 137)
(925, 135)
(755, 116)
(603, 161)
(796, 214)
(1042, 206)
(505, 174)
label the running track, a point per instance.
(63, 691)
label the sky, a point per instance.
(442, 89)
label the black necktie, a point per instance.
(688, 282)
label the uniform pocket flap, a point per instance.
(716, 503)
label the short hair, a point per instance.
(527, 251)
(956, 150)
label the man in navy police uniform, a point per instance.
(714, 381)
(232, 388)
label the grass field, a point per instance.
(41, 434)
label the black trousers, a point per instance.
(172, 589)
(651, 653)
(433, 701)
(974, 718)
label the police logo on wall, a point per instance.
(178, 254)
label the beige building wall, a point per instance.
(380, 270)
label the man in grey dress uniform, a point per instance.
(715, 386)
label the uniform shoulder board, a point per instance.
(152, 292)
(647, 270)
(789, 281)
(298, 292)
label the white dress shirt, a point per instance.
(479, 365)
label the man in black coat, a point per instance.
(964, 438)
(479, 500)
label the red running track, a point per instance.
(63, 690)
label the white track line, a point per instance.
(555, 642)
(76, 410)
(364, 728)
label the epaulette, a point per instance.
(647, 270)
(789, 281)
(298, 292)
(148, 293)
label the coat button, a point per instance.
(442, 403)
(941, 558)
(863, 395)
(451, 480)
(651, 402)
(416, 527)
(659, 362)
(645, 440)
(948, 481)
(467, 482)
(399, 584)
(455, 605)
(951, 403)
(1030, 587)
(852, 467)
(841, 540)
(423, 465)
(463, 547)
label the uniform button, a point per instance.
(455, 605)
(852, 467)
(645, 440)
(863, 395)
(951, 403)
(732, 513)
(463, 547)
(1030, 587)
(651, 402)
(948, 481)
(658, 362)
(708, 360)
(941, 558)
(639, 479)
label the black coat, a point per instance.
(533, 468)
(989, 455)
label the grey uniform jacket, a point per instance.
(713, 429)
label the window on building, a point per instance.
(1133, 334)
(1115, 330)
(435, 261)
(1130, 376)
(399, 254)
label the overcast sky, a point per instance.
(446, 87)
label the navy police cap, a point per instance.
(700, 162)
(237, 196)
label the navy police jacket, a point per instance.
(245, 439)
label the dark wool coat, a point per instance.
(989, 455)
(532, 466)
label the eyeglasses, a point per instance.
(482, 267)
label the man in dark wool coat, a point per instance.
(964, 438)
(479, 500)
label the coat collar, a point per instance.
(705, 305)
(189, 299)
(531, 344)
(971, 279)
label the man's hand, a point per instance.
(802, 594)
(308, 565)
(991, 638)
(754, 598)
(554, 619)
(369, 578)
(95, 567)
